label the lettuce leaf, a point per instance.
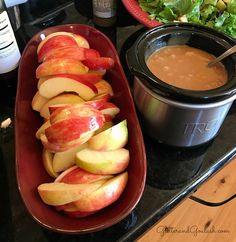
(231, 7)
(195, 14)
(203, 12)
(179, 7)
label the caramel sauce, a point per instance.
(186, 67)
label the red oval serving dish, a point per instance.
(29, 167)
(135, 10)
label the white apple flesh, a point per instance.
(63, 160)
(76, 175)
(62, 193)
(103, 162)
(64, 98)
(38, 101)
(47, 163)
(56, 85)
(112, 138)
(103, 88)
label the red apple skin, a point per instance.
(87, 77)
(64, 173)
(55, 42)
(72, 52)
(91, 53)
(57, 106)
(107, 194)
(60, 66)
(71, 211)
(80, 40)
(108, 105)
(107, 117)
(55, 147)
(97, 104)
(104, 63)
(71, 129)
(80, 110)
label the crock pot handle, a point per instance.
(133, 64)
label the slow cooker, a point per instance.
(172, 115)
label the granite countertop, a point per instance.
(172, 174)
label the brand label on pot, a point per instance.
(200, 128)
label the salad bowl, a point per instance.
(29, 166)
(219, 15)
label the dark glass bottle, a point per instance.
(104, 12)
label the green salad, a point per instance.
(217, 14)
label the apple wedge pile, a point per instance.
(83, 149)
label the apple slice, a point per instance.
(57, 85)
(106, 125)
(63, 98)
(55, 42)
(47, 163)
(97, 63)
(73, 52)
(60, 66)
(55, 147)
(77, 175)
(87, 77)
(103, 96)
(103, 162)
(70, 129)
(80, 110)
(103, 87)
(95, 103)
(42, 128)
(64, 173)
(112, 138)
(105, 195)
(74, 213)
(41, 80)
(61, 193)
(54, 107)
(110, 109)
(64, 160)
(80, 40)
(38, 101)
